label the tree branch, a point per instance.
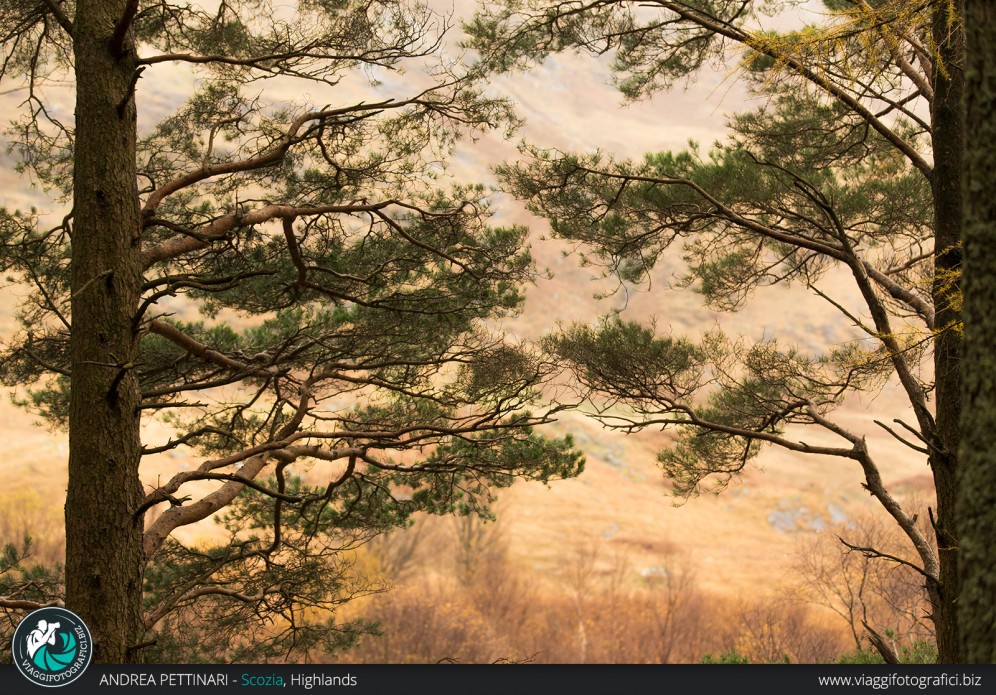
(175, 335)
(729, 214)
(151, 619)
(20, 605)
(60, 17)
(689, 417)
(268, 158)
(884, 648)
(874, 485)
(175, 517)
(922, 308)
(873, 554)
(911, 445)
(184, 243)
(122, 27)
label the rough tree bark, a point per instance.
(103, 539)
(948, 145)
(977, 499)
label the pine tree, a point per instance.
(853, 165)
(347, 367)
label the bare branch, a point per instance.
(922, 308)
(20, 605)
(185, 243)
(884, 648)
(54, 6)
(872, 553)
(175, 517)
(122, 27)
(911, 445)
(873, 483)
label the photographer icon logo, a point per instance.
(52, 647)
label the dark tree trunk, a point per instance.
(104, 560)
(948, 143)
(977, 499)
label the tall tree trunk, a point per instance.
(977, 499)
(948, 144)
(104, 560)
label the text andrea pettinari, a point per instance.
(175, 680)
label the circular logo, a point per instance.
(52, 647)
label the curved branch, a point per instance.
(61, 17)
(266, 159)
(189, 436)
(176, 517)
(175, 335)
(166, 608)
(688, 417)
(872, 554)
(216, 230)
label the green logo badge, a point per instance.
(52, 647)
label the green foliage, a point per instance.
(628, 361)
(730, 656)
(801, 188)
(920, 652)
(648, 55)
(255, 598)
(22, 579)
(725, 398)
(782, 167)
